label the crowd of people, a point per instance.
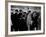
(19, 20)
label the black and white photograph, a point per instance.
(25, 18)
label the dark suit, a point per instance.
(14, 22)
(18, 24)
(22, 23)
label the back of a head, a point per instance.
(20, 10)
(12, 13)
(24, 12)
(29, 11)
(20, 14)
(16, 10)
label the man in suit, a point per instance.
(22, 22)
(14, 21)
